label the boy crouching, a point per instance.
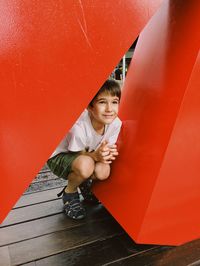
(88, 150)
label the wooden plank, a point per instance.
(34, 198)
(97, 253)
(187, 254)
(38, 197)
(44, 179)
(47, 225)
(47, 184)
(51, 244)
(44, 175)
(30, 264)
(33, 212)
(4, 257)
(145, 257)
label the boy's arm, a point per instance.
(102, 154)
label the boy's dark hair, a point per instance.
(111, 86)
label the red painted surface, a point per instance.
(54, 56)
(154, 188)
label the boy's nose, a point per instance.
(108, 107)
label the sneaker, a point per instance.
(86, 192)
(72, 205)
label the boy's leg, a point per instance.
(82, 168)
(101, 171)
(76, 168)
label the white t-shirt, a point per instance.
(82, 135)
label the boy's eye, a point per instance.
(115, 102)
(102, 102)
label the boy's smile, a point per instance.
(103, 111)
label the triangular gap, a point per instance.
(45, 177)
(121, 69)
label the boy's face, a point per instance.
(105, 108)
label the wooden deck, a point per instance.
(37, 233)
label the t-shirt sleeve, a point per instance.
(76, 139)
(115, 132)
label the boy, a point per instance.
(89, 148)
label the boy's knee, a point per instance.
(102, 171)
(84, 166)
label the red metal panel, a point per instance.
(54, 55)
(174, 205)
(154, 188)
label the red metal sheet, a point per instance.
(54, 56)
(154, 188)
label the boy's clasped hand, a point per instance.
(106, 153)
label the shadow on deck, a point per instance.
(37, 233)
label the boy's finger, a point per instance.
(107, 162)
(106, 158)
(114, 153)
(104, 143)
(114, 146)
(113, 150)
(105, 148)
(105, 153)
